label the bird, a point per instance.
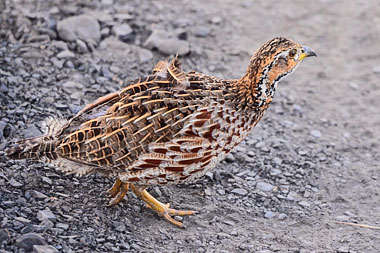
(167, 128)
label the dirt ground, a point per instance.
(306, 171)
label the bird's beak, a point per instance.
(307, 52)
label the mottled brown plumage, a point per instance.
(167, 128)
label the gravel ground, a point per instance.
(311, 163)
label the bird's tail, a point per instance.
(37, 148)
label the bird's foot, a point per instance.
(117, 192)
(161, 209)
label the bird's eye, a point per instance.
(292, 52)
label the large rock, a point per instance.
(82, 27)
(27, 241)
(167, 44)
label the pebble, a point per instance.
(120, 228)
(39, 195)
(3, 236)
(65, 54)
(376, 70)
(82, 27)
(26, 241)
(343, 250)
(46, 215)
(15, 183)
(44, 249)
(269, 215)
(81, 46)
(144, 55)
(64, 226)
(316, 133)
(277, 160)
(46, 180)
(122, 31)
(201, 31)
(167, 45)
(282, 216)
(240, 191)
(230, 158)
(304, 203)
(264, 186)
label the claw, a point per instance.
(161, 209)
(117, 192)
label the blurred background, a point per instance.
(308, 169)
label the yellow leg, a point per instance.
(115, 188)
(160, 208)
(118, 192)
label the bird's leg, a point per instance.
(160, 208)
(118, 192)
(113, 191)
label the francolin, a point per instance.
(170, 127)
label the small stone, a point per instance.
(27, 241)
(120, 228)
(71, 86)
(376, 70)
(81, 46)
(269, 215)
(122, 31)
(282, 216)
(64, 226)
(3, 236)
(230, 158)
(277, 160)
(44, 249)
(201, 31)
(353, 86)
(46, 215)
(65, 54)
(265, 187)
(240, 191)
(221, 192)
(23, 220)
(167, 45)
(15, 183)
(343, 250)
(216, 20)
(304, 203)
(46, 180)
(342, 218)
(79, 27)
(39, 195)
(229, 222)
(316, 133)
(145, 55)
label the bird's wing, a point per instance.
(123, 131)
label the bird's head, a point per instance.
(273, 61)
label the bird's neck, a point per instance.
(256, 86)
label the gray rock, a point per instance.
(44, 249)
(64, 226)
(120, 228)
(27, 241)
(240, 191)
(144, 55)
(81, 46)
(166, 44)
(304, 203)
(39, 195)
(23, 220)
(71, 86)
(265, 187)
(15, 183)
(282, 216)
(376, 70)
(3, 236)
(65, 54)
(122, 31)
(79, 27)
(316, 133)
(230, 158)
(201, 31)
(269, 215)
(277, 160)
(47, 180)
(46, 215)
